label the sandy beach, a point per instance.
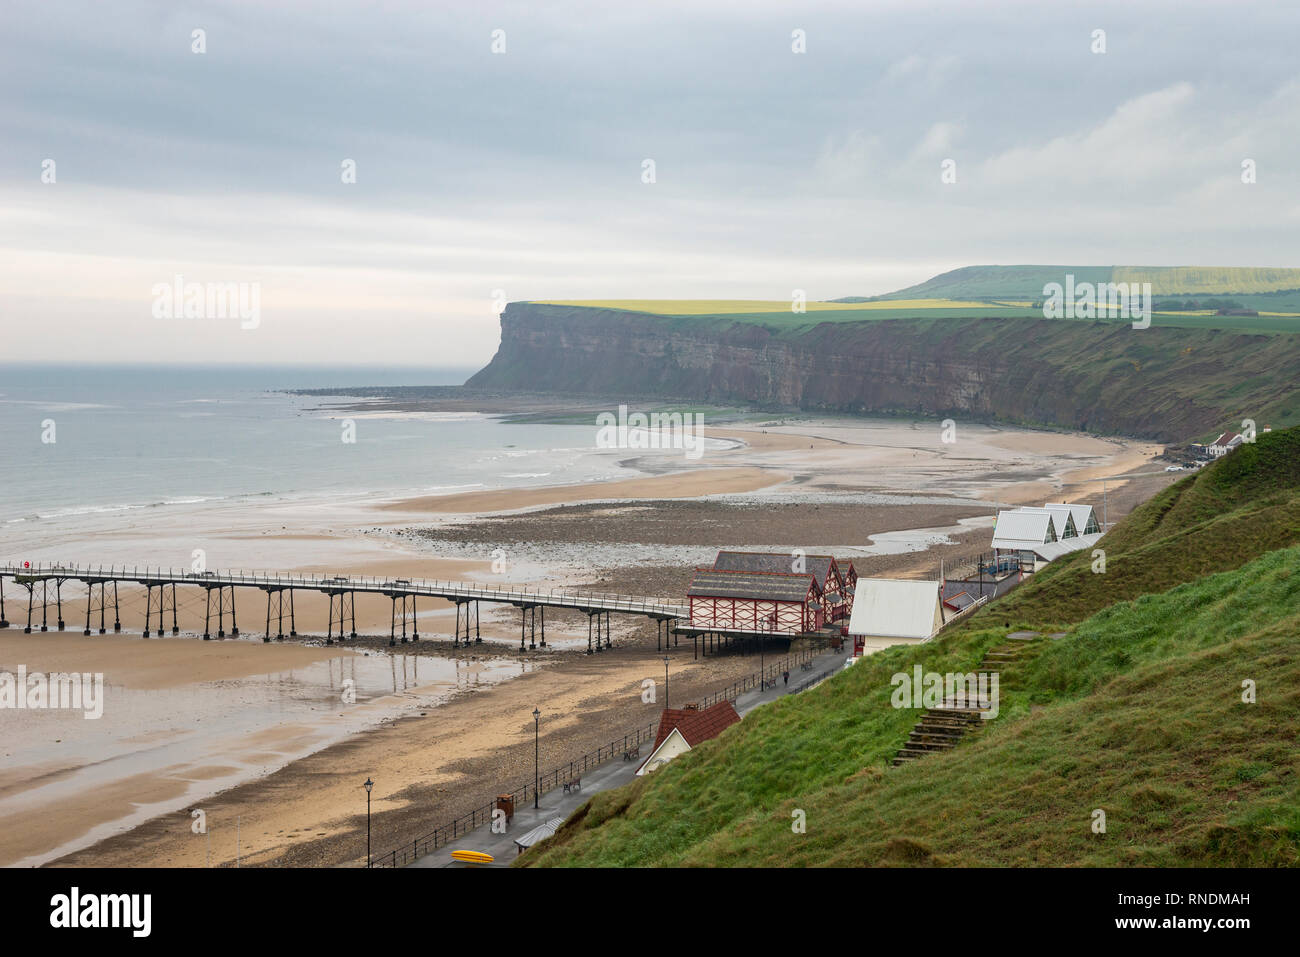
(440, 729)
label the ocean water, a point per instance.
(96, 439)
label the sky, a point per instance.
(500, 155)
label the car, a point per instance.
(1173, 468)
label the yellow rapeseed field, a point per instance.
(713, 307)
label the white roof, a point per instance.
(1062, 518)
(541, 832)
(1082, 514)
(894, 608)
(1017, 528)
(1054, 550)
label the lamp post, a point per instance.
(665, 682)
(368, 785)
(537, 779)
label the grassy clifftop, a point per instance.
(1137, 712)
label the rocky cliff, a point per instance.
(1167, 384)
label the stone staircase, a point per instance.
(940, 729)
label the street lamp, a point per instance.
(368, 785)
(537, 779)
(665, 682)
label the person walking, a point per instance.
(786, 676)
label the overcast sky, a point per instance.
(522, 171)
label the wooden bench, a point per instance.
(574, 785)
(632, 753)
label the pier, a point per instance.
(44, 586)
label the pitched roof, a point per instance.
(894, 608)
(959, 600)
(1083, 514)
(1062, 518)
(1021, 529)
(1225, 438)
(697, 725)
(763, 586)
(780, 562)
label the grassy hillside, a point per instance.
(1215, 519)
(1136, 711)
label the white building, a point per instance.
(1224, 444)
(894, 611)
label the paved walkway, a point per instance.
(612, 774)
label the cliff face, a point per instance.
(1166, 384)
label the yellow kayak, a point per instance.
(472, 857)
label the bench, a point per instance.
(574, 785)
(632, 753)
(807, 666)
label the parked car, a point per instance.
(1173, 468)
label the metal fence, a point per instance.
(441, 836)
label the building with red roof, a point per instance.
(681, 729)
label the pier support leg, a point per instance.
(207, 615)
(532, 628)
(523, 626)
(148, 608)
(353, 609)
(415, 625)
(543, 626)
(234, 625)
(117, 614)
(3, 621)
(176, 628)
(478, 638)
(30, 588)
(293, 627)
(58, 598)
(90, 595)
(45, 604)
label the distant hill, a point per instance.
(1015, 283)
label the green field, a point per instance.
(1137, 711)
(1026, 282)
(1009, 291)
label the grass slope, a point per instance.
(1216, 519)
(1137, 712)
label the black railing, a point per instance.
(461, 826)
(441, 836)
(815, 680)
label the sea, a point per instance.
(88, 440)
